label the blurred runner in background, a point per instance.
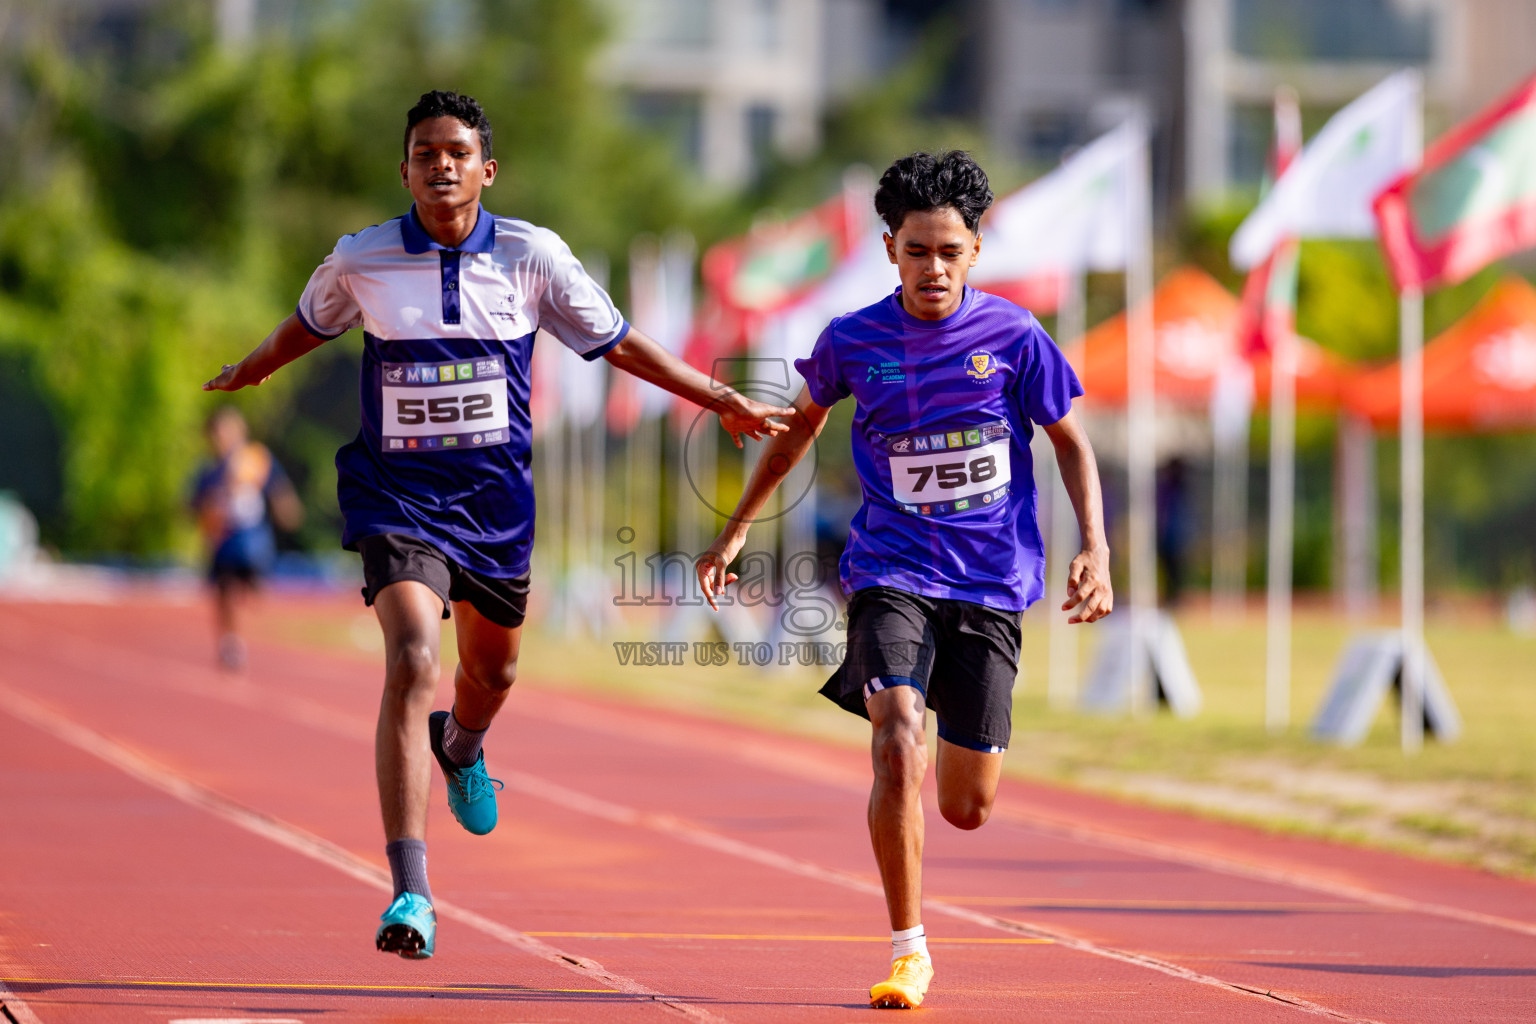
(237, 496)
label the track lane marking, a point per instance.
(12, 1007)
(769, 755)
(766, 753)
(708, 936)
(318, 716)
(299, 986)
(570, 799)
(312, 846)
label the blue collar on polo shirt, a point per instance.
(416, 240)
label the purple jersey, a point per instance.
(946, 409)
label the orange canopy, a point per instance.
(1480, 374)
(1196, 322)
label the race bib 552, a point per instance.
(940, 473)
(444, 406)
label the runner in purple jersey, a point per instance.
(437, 490)
(945, 553)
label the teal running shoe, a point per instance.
(408, 927)
(471, 792)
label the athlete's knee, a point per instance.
(968, 809)
(900, 750)
(494, 676)
(412, 665)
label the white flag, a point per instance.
(1070, 220)
(1328, 190)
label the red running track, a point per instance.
(176, 845)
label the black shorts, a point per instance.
(962, 657)
(392, 557)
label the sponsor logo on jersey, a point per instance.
(910, 508)
(429, 375)
(973, 437)
(993, 431)
(413, 375)
(431, 442)
(981, 366)
(509, 307)
(396, 442)
(493, 435)
(451, 441)
(393, 375)
(487, 368)
(478, 438)
(955, 440)
(986, 499)
(920, 443)
(902, 445)
(927, 510)
(888, 372)
(410, 442)
(937, 440)
(962, 504)
(943, 508)
(446, 373)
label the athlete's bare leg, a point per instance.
(900, 754)
(487, 666)
(967, 784)
(411, 616)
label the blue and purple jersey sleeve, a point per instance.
(823, 376)
(1044, 391)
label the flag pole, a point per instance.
(1141, 447)
(1061, 672)
(1282, 506)
(1411, 357)
(1411, 314)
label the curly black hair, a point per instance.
(924, 181)
(438, 103)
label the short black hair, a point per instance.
(925, 181)
(438, 103)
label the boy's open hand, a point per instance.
(711, 565)
(229, 379)
(1088, 588)
(741, 415)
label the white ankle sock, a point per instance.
(908, 941)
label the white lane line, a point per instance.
(135, 667)
(570, 799)
(312, 846)
(13, 1008)
(768, 755)
(317, 716)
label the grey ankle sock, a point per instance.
(460, 744)
(408, 866)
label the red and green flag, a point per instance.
(1472, 201)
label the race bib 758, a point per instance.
(943, 472)
(443, 406)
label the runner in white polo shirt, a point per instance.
(436, 491)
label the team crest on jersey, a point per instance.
(981, 363)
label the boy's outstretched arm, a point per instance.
(288, 341)
(1088, 587)
(738, 414)
(783, 451)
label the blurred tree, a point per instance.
(164, 202)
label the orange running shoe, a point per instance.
(905, 988)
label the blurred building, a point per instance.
(730, 82)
